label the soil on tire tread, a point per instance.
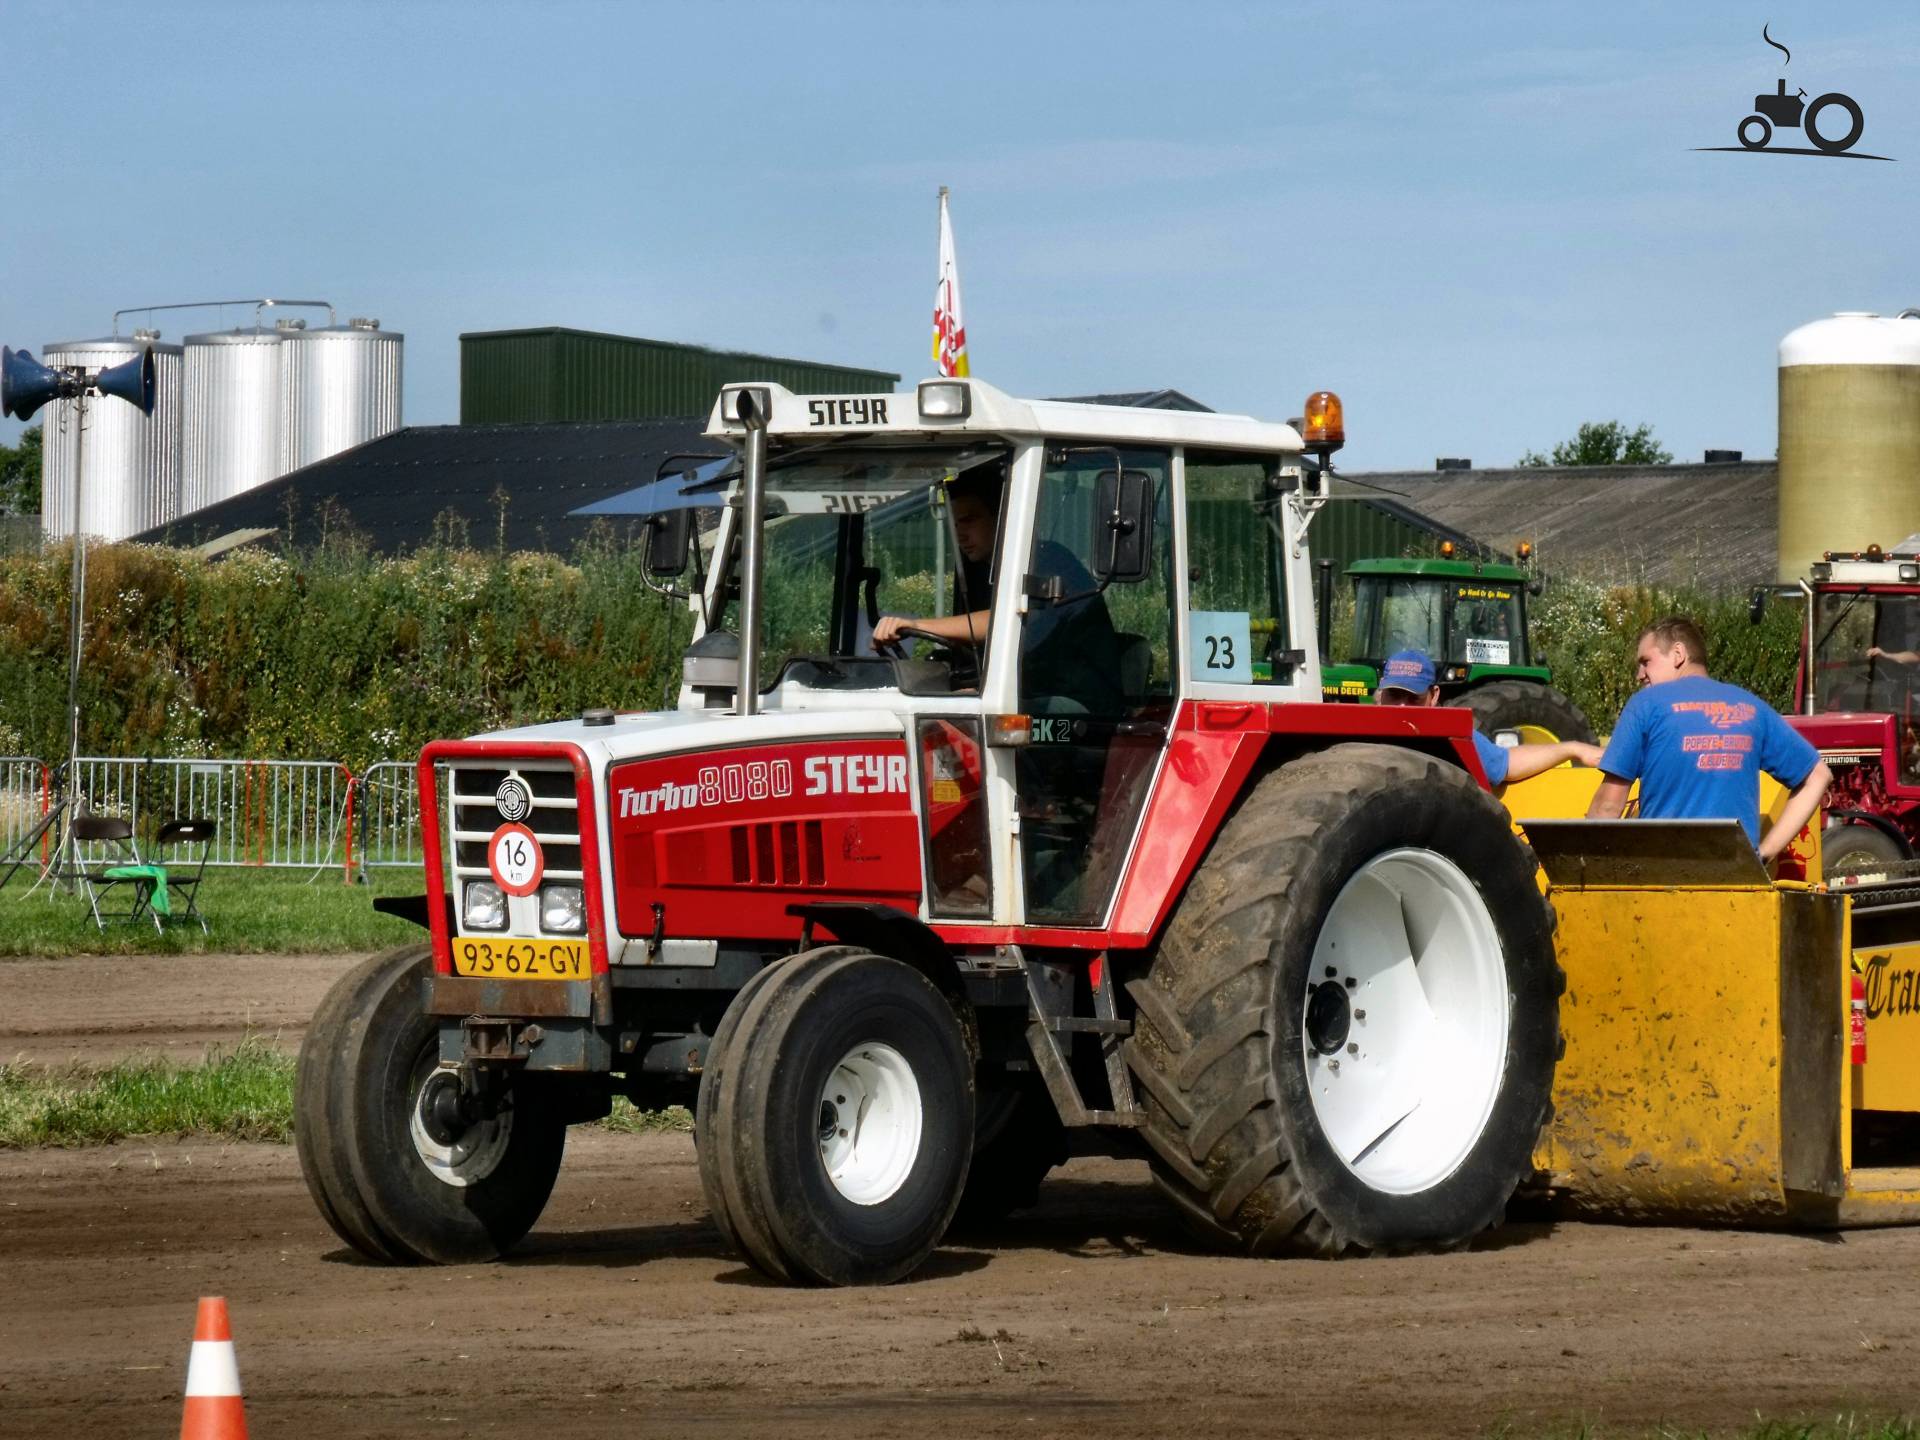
(1203, 1015)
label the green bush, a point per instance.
(335, 654)
(338, 654)
(1587, 633)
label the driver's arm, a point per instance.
(968, 629)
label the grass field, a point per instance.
(240, 1094)
(248, 912)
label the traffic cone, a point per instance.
(214, 1410)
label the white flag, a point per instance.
(949, 325)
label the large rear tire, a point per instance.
(841, 1121)
(1366, 907)
(1539, 713)
(434, 1194)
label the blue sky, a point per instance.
(1481, 224)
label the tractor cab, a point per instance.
(1857, 698)
(1470, 618)
(1001, 579)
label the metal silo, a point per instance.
(1849, 436)
(342, 389)
(233, 431)
(132, 477)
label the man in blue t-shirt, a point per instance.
(1697, 746)
(1408, 679)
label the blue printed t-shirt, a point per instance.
(1493, 759)
(1697, 747)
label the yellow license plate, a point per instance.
(506, 959)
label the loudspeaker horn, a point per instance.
(26, 384)
(132, 382)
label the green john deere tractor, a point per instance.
(1470, 616)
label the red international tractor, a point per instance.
(1858, 700)
(899, 920)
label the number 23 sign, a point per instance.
(514, 858)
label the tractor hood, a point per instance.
(666, 732)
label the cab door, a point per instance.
(1096, 678)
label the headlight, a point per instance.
(563, 908)
(945, 400)
(486, 906)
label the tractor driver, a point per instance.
(1697, 746)
(974, 500)
(1408, 679)
(1071, 643)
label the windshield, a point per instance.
(1392, 614)
(1486, 627)
(854, 533)
(1866, 651)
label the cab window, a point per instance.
(1237, 628)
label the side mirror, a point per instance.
(669, 537)
(1123, 526)
(1756, 604)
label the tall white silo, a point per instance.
(342, 385)
(234, 433)
(1849, 436)
(131, 480)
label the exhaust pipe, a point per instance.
(754, 468)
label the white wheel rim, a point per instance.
(870, 1119)
(469, 1159)
(1405, 1093)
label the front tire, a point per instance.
(440, 1193)
(1347, 1038)
(843, 1120)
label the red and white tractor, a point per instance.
(1857, 699)
(899, 921)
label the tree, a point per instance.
(20, 475)
(1605, 442)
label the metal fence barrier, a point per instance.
(277, 814)
(26, 791)
(388, 807)
(271, 814)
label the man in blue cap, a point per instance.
(1408, 679)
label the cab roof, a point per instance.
(992, 412)
(1443, 569)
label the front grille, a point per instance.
(554, 818)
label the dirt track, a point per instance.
(1092, 1315)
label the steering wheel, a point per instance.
(895, 650)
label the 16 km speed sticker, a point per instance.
(514, 858)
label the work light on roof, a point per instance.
(1324, 426)
(945, 400)
(746, 405)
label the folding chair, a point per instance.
(161, 899)
(128, 869)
